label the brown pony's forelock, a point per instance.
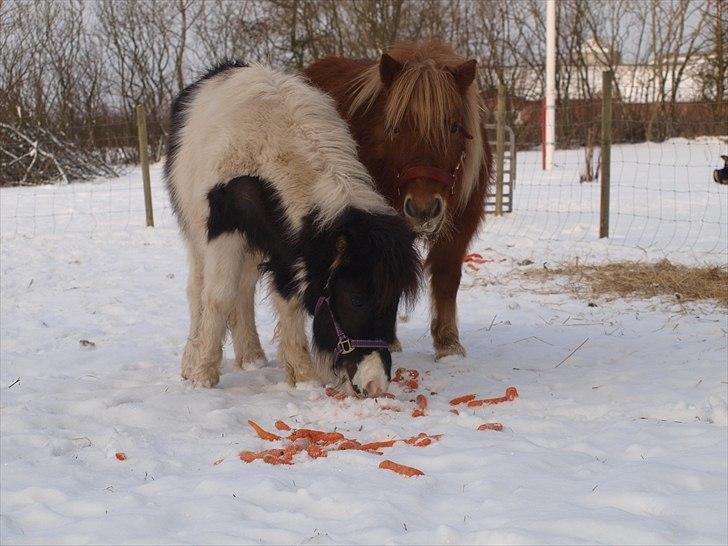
(423, 95)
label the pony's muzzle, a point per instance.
(424, 215)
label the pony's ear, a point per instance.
(389, 68)
(464, 74)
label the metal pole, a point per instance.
(605, 153)
(500, 148)
(550, 106)
(144, 160)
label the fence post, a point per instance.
(605, 153)
(500, 148)
(144, 160)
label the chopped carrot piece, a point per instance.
(413, 439)
(414, 374)
(412, 384)
(280, 425)
(400, 468)
(262, 433)
(349, 444)
(422, 401)
(219, 461)
(424, 442)
(463, 399)
(315, 451)
(248, 456)
(491, 426)
(378, 445)
(120, 455)
(333, 393)
(316, 436)
(511, 394)
(456, 412)
(418, 413)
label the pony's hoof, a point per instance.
(395, 346)
(449, 353)
(298, 374)
(204, 379)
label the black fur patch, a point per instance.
(178, 119)
(250, 205)
(381, 246)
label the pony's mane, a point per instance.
(423, 95)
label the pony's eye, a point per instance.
(395, 130)
(356, 301)
(455, 127)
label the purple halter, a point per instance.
(345, 345)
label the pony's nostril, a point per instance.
(436, 208)
(373, 389)
(409, 208)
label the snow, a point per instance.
(624, 441)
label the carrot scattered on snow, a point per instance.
(491, 426)
(262, 433)
(511, 394)
(333, 393)
(316, 436)
(377, 445)
(400, 468)
(121, 456)
(421, 401)
(463, 399)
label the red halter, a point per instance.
(447, 179)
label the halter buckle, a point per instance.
(344, 345)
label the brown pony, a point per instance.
(416, 116)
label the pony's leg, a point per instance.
(194, 286)
(293, 352)
(445, 264)
(221, 279)
(242, 319)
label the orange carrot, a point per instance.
(121, 456)
(424, 442)
(412, 384)
(463, 399)
(418, 413)
(280, 425)
(422, 401)
(316, 436)
(400, 468)
(262, 433)
(491, 426)
(315, 451)
(349, 444)
(414, 374)
(378, 445)
(511, 394)
(333, 393)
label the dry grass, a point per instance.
(645, 280)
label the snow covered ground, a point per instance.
(624, 441)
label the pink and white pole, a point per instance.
(548, 107)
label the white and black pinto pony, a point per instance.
(264, 178)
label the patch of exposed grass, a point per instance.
(644, 280)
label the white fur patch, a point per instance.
(370, 375)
